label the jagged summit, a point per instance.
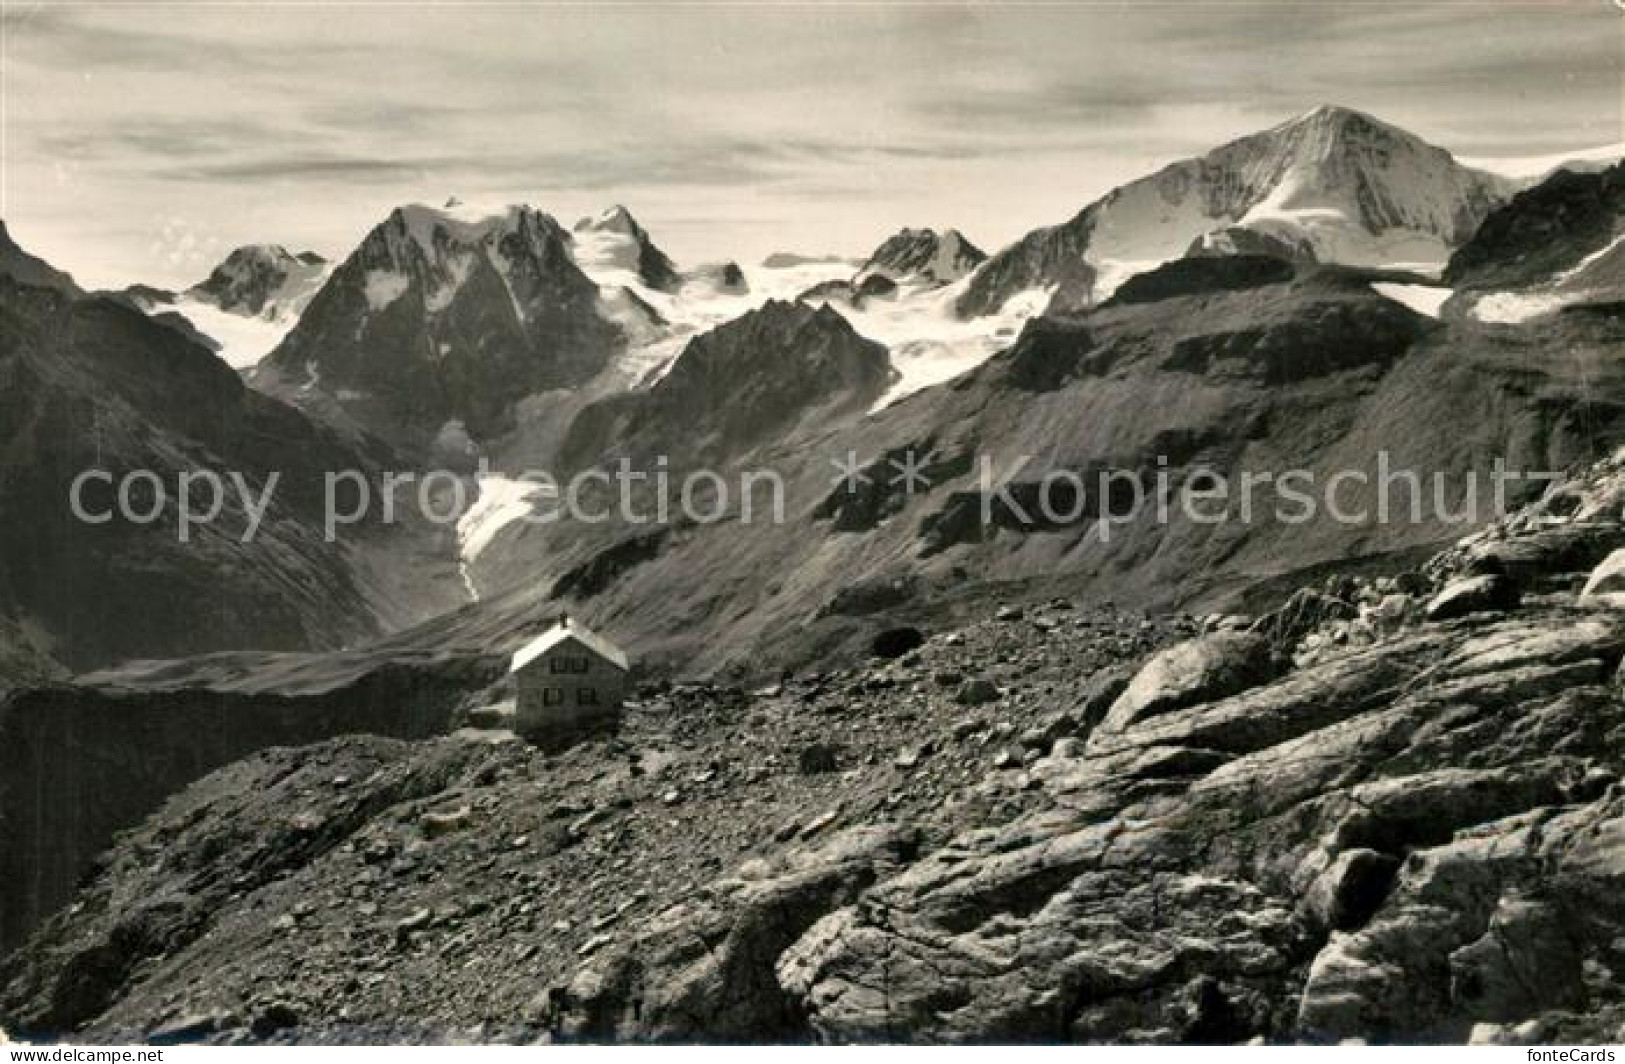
(1330, 123)
(616, 219)
(923, 256)
(263, 279)
(460, 225)
(614, 241)
(447, 313)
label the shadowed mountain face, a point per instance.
(27, 269)
(439, 316)
(1566, 221)
(923, 256)
(1333, 185)
(755, 380)
(94, 385)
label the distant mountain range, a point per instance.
(1330, 295)
(1186, 310)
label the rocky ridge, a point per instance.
(444, 315)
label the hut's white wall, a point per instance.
(568, 689)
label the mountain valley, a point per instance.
(926, 756)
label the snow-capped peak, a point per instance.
(250, 301)
(263, 280)
(460, 224)
(923, 256)
(616, 251)
(1334, 161)
(1332, 184)
(616, 219)
(1335, 116)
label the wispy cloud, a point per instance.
(730, 130)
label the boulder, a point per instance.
(1100, 691)
(895, 642)
(1474, 594)
(1524, 962)
(1346, 894)
(817, 758)
(977, 691)
(1608, 578)
(446, 822)
(1201, 670)
(1544, 553)
(1307, 610)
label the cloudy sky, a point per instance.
(143, 140)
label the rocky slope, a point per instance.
(92, 758)
(552, 856)
(1332, 185)
(95, 755)
(27, 269)
(93, 385)
(1390, 810)
(1555, 246)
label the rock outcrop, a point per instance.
(1402, 842)
(28, 269)
(742, 384)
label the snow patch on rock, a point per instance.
(384, 287)
(1422, 298)
(502, 501)
(1515, 308)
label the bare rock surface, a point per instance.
(469, 887)
(1413, 832)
